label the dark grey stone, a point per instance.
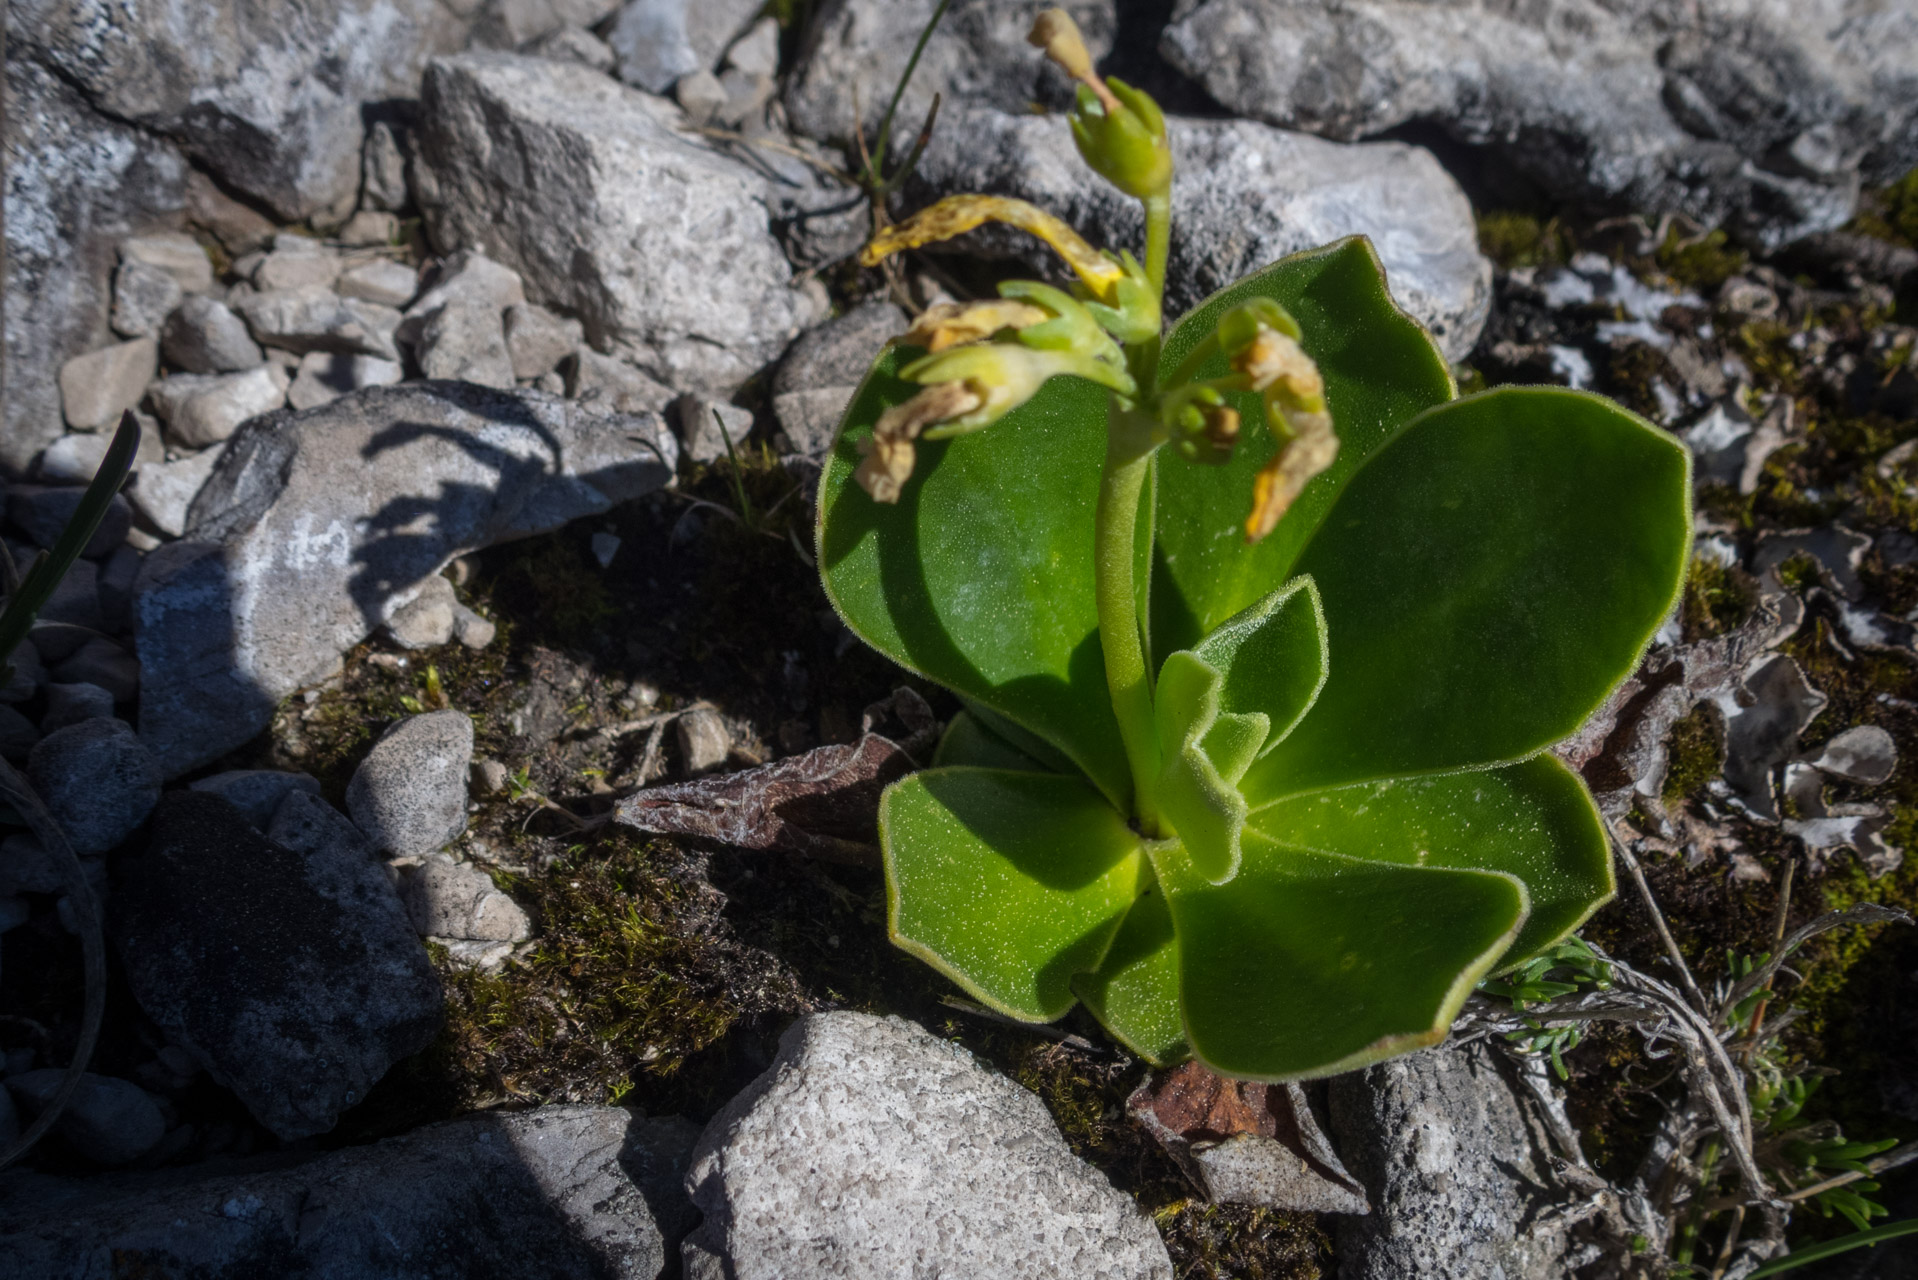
(293, 977)
(1457, 1167)
(559, 1193)
(97, 780)
(108, 1121)
(17, 734)
(76, 602)
(103, 663)
(71, 703)
(257, 792)
(42, 512)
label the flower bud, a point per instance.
(1121, 135)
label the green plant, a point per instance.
(1276, 800)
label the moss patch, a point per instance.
(1522, 240)
(1695, 749)
(1718, 598)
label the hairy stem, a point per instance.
(1129, 446)
(1158, 239)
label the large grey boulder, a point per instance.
(1761, 113)
(1243, 195)
(563, 1193)
(286, 967)
(856, 51)
(316, 525)
(76, 184)
(872, 1148)
(1457, 1166)
(590, 190)
(266, 95)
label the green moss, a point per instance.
(1799, 572)
(1701, 263)
(1521, 240)
(557, 590)
(1632, 374)
(1238, 1242)
(619, 990)
(1696, 751)
(1891, 213)
(1718, 598)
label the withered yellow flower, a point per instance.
(887, 456)
(956, 215)
(950, 324)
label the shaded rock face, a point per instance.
(266, 95)
(856, 51)
(1243, 195)
(873, 1148)
(1455, 1168)
(589, 189)
(1761, 111)
(292, 976)
(316, 525)
(76, 183)
(566, 1192)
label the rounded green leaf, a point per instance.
(1008, 883)
(1380, 370)
(967, 741)
(1488, 578)
(1135, 993)
(1307, 964)
(1534, 820)
(980, 577)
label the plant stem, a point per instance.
(1129, 446)
(1158, 240)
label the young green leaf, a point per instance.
(1533, 820)
(1380, 370)
(1307, 964)
(1135, 993)
(977, 577)
(1008, 883)
(1489, 577)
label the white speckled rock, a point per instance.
(871, 1148)
(448, 899)
(409, 794)
(659, 244)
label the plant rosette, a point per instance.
(1270, 791)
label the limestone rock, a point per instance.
(266, 97)
(538, 340)
(205, 336)
(449, 899)
(288, 970)
(409, 794)
(572, 44)
(143, 297)
(978, 56)
(704, 742)
(872, 1148)
(102, 663)
(74, 702)
(204, 409)
(76, 457)
(1243, 195)
(464, 342)
(816, 380)
(1764, 115)
(658, 41)
(601, 381)
(96, 388)
(313, 318)
(566, 1192)
(43, 511)
(657, 243)
(382, 280)
(296, 548)
(77, 184)
(174, 252)
(426, 621)
(163, 492)
(325, 376)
